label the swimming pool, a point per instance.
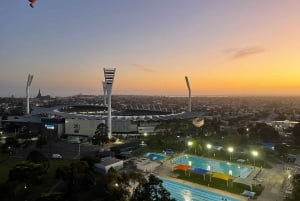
(214, 166)
(183, 192)
(155, 156)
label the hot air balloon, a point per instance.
(32, 2)
(198, 122)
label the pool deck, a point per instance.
(165, 171)
(274, 180)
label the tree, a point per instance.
(91, 160)
(266, 133)
(100, 137)
(296, 134)
(151, 190)
(296, 189)
(55, 196)
(281, 149)
(39, 158)
(36, 157)
(12, 142)
(42, 140)
(232, 139)
(117, 185)
(78, 178)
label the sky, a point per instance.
(231, 47)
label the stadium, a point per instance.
(81, 120)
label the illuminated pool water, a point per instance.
(214, 166)
(183, 192)
(155, 156)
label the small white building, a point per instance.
(107, 163)
(146, 165)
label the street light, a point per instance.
(230, 149)
(190, 144)
(255, 154)
(208, 147)
(247, 132)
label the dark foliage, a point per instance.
(151, 190)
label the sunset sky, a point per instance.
(225, 47)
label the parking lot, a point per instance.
(58, 146)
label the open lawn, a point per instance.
(49, 180)
(3, 157)
(5, 167)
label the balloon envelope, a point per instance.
(198, 122)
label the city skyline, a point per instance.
(224, 47)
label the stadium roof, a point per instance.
(143, 116)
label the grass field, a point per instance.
(5, 167)
(3, 157)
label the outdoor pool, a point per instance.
(214, 166)
(155, 156)
(182, 192)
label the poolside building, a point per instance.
(146, 165)
(107, 163)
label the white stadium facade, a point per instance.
(82, 120)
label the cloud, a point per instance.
(237, 53)
(143, 68)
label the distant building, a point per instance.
(39, 96)
(280, 125)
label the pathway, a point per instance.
(273, 180)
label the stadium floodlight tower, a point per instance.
(29, 80)
(190, 98)
(109, 74)
(104, 93)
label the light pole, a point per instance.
(190, 144)
(26, 190)
(230, 149)
(255, 154)
(79, 144)
(208, 147)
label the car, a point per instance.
(56, 156)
